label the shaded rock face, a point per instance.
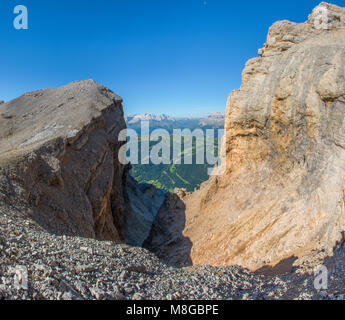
(59, 159)
(282, 194)
(166, 239)
(144, 202)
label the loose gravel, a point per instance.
(36, 265)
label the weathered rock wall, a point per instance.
(59, 159)
(282, 194)
(144, 202)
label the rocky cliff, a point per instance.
(282, 195)
(59, 162)
(143, 204)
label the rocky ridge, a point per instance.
(60, 164)
(281, 197)
(59, 159)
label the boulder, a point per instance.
(59, 160)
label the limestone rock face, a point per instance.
(59, 160)
(282, 194)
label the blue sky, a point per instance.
(180, 57)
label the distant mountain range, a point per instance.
(168, 177)
(214, 120)
(131, 119)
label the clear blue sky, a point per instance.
(180, 57)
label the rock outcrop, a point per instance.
(59, 160)
(144, 202)
(282, 195)
(59, 164)
(165, 238)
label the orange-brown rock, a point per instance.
(282, 194)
